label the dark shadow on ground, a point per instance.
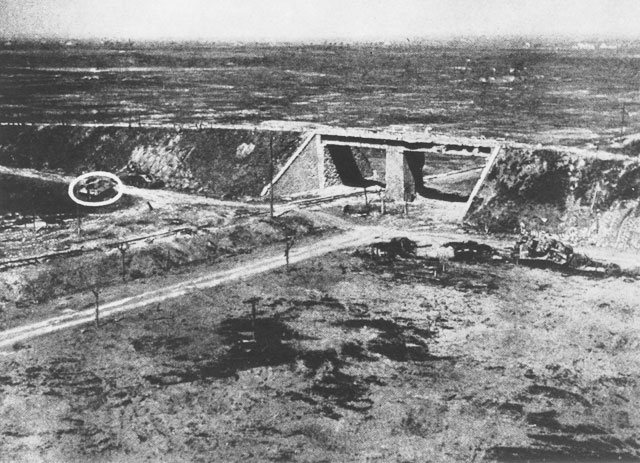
(346, 166)
(32, 196)
(556, 442)
(415, 163)
(241, 349)
(596, 271)
(432, 193)
(396, 341)
(239, 344)
(273, 343)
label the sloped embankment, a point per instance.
(25, 291)
(214, 161)
(586, 199)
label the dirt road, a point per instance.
(157, 197)
(353, 238)
(356, 237)
(350, 358)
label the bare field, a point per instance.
(547, 94)
(354, 359)
(350, 357)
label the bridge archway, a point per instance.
(349, 166)
(327, 158)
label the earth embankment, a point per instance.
(220, 162)
(586, 198)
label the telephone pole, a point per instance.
(271, 173)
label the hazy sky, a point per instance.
(316, 19)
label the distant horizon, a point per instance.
(313, 21)
(329, 40)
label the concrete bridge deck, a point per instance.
(326, 158)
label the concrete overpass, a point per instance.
(326, 158)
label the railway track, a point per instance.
(243, 217)
(352, 238)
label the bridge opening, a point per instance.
(438, 169)
(446, 177)
(349, 166)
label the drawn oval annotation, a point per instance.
(96, 188)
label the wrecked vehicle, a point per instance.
(96, 188)
(542, 246)
(141, 181)
(396, 247)
(469, 251)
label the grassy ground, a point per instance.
(42, 290)
(354, 359)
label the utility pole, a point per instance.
(78, 220)
(253, 301)
(123, 248)
(271, 172)
(288, 245)
(96, 294)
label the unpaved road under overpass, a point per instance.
(356, 237)
(353, 238)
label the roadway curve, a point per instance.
(352, 238)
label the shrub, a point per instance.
(628, 186)
(76, 274)
(541, 176)
(596, 172)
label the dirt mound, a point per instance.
(214, 161)
(585, 199)
(24, 288)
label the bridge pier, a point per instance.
(326, 159)
(398, 178)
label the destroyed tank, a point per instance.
(542, 247)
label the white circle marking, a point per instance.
(98, 173)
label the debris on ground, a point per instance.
(531, 250)
(531, 245)
(362, 210)
(543, 250)
(344, 356)
(470, 251)
(396, 247)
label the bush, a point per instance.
(596, 172)
(541, 176)
(628, 186)
(63, 276)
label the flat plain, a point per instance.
(351, 356)
(549, 92)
